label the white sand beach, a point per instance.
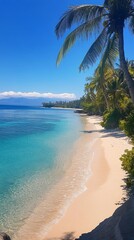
(104, 188)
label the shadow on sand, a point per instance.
(66, 236)
(107, 133)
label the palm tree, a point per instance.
(116, 89)
(108, 22)
(98, 82)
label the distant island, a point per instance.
(63, 104)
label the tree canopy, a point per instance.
(107, 22)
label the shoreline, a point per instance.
(71, 185)
(103, 188)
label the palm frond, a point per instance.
(89, 79)
(92, 85)
(78, 15)
(111, 52)
(94, 51)
(83, 31)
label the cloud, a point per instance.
(12, 94)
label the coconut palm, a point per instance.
(98, 82)
(116, 88)
(108, 22)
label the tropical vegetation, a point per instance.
(110, 92)
(109, 96)
(107, 22)
(63, 104)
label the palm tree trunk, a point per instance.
(129, 80)
(105, 97)
(114, 100)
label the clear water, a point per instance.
(35, 144)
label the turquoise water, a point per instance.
(35, 145)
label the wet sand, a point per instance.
(104, 188)
(55, 203)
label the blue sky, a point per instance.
(29, 47)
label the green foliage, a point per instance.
(108, 92)
(93, 104)
(90, 108)
(107, 23)
(63, 104)
(128, 165)
(111, 118)
(128, 125)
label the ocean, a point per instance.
(36, 147)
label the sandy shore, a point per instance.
(104, 188)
